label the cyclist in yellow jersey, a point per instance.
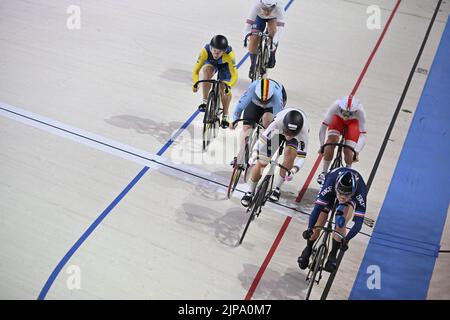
(217, 56)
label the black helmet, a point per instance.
(219, 42)
(346, 183)
(293, 122)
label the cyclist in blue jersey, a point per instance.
(262, 100)
(348, 187)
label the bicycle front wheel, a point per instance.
(317, 263)
(209, 120)
(234, 179)
(255, 205)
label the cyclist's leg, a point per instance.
(208, 71)
(225, 75)
(303, 259)
(258, 26)
(290, 153)
(267, 118)
(252, 114)
(262, 153)
(334, 131)
(341, 222)
(272, 29)
(351, 139)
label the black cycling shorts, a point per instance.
(254, 113)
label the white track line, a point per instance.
(193, 174)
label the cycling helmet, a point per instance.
(219, 42)
(293, 122)
(269, 4)
(264, 90)
(346, 184)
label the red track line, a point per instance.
(361, 76)
(280, 235)
(302, 192)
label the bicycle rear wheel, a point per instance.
(209, 119)
(317, 263)
(255, 205)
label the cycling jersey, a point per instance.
(226, 65)
(270, 138)
(253, 24)
(275, 103)
(327, 195)
(356, 123)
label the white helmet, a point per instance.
(264, 90)
(270, 4)
(349, 103)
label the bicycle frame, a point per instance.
(263, 52)
(241, 161)
(212, 112)
(337, 162)
(320, 250)
(263, 190)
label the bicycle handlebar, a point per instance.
(322, 148)
(259, 34)
(227, 87)
(281, 166)
(253, 123)
(330, 230)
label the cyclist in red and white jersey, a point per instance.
(347, 113)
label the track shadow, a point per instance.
(177, 75)
(161, 131)
(225, 228)
(290, 285)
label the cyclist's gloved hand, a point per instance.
(273, 47)
(227, 90)
(290, 174)
(307, 234)
(344, 244)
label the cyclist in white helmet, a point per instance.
(346, 113)
(290, 125)
(264, 13)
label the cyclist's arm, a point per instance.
(199, 64)
(280, 25)
(233, 70)
(332, 110)
(302, 149)
(251, 18)
(322, 133)
(244, 101)
(323, 199)
(362, 130)
(356, 227)
(318, 208)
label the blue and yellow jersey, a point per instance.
(226, 65)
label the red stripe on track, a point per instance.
(280, 235)
(302, 192)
